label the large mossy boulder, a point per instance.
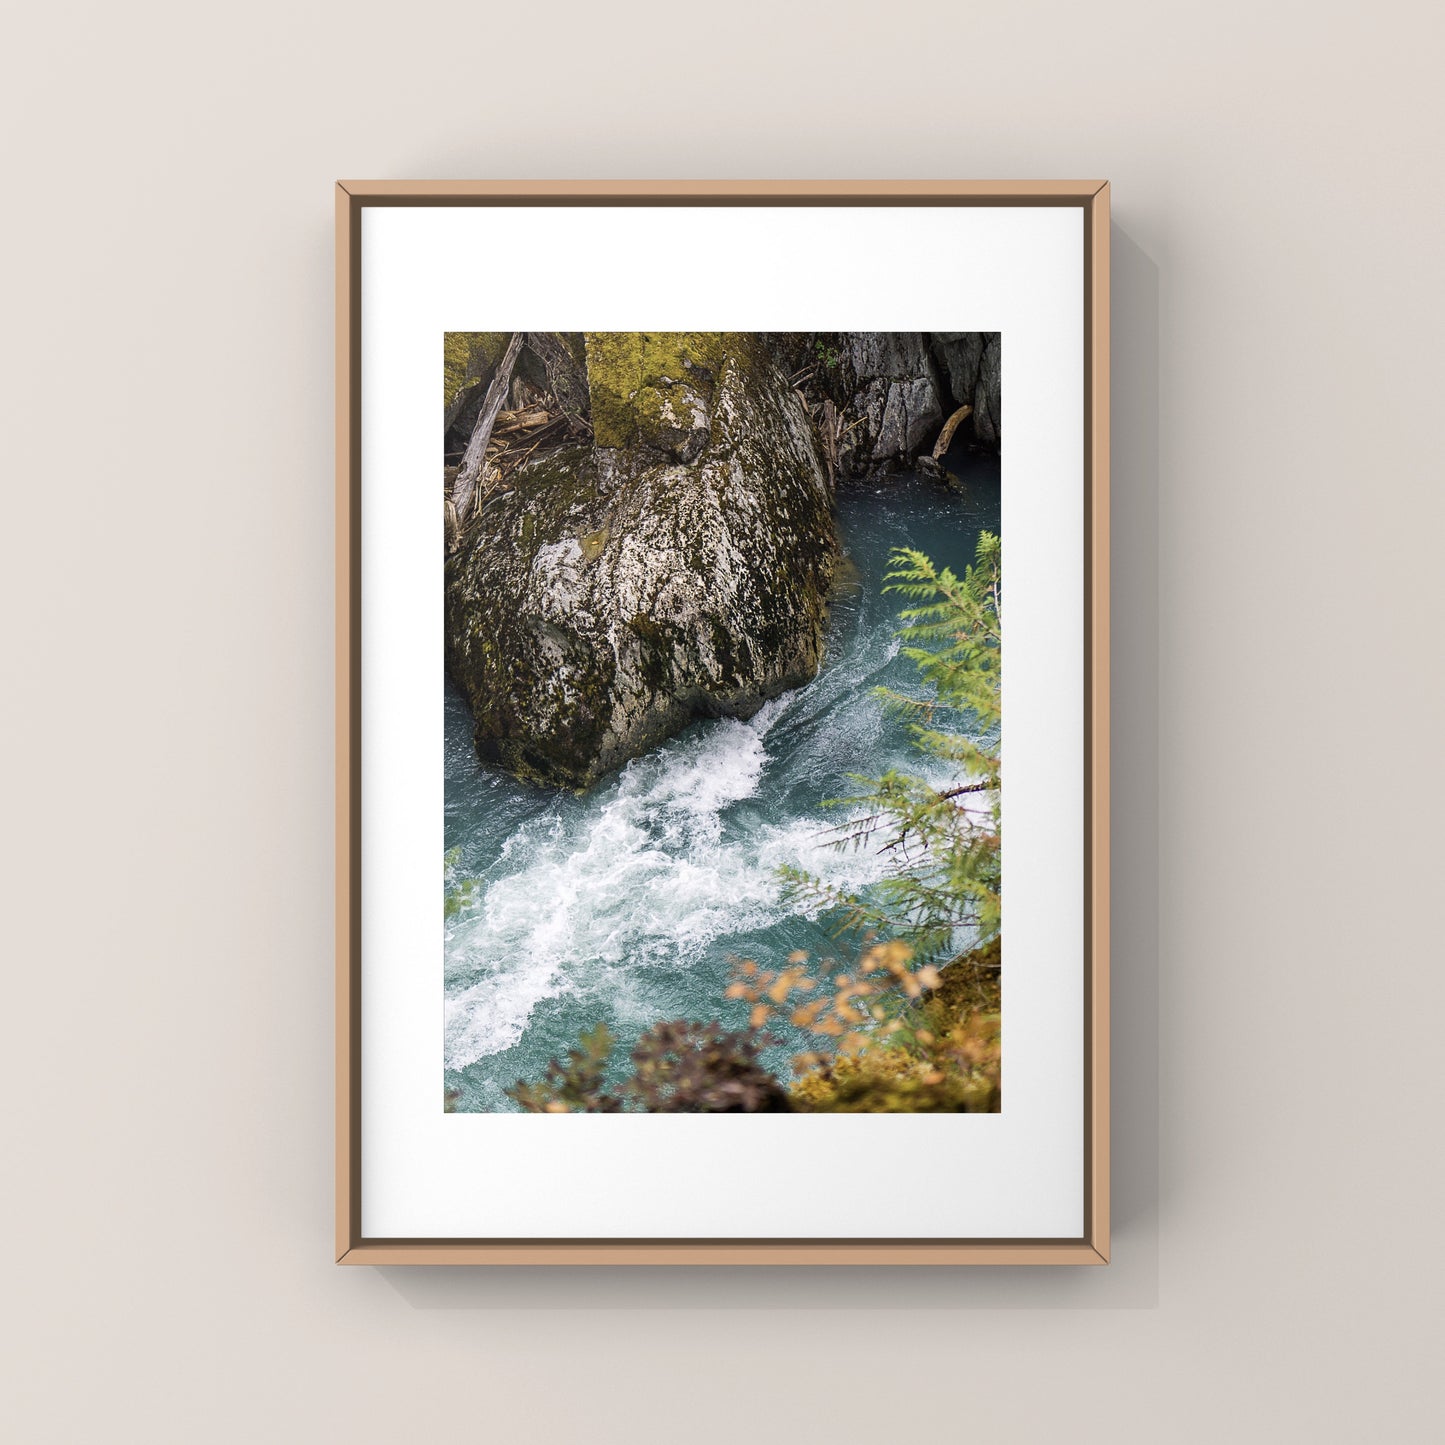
(677, 567)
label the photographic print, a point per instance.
(723, 620)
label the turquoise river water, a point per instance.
(627, 904)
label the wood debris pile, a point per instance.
(504, 438)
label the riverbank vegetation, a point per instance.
(906, 1017)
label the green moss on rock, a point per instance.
(621, 364)
(469, 357)
(617, 591)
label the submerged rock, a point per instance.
(677, 567)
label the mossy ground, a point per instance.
(971, 983)
(944, 1059)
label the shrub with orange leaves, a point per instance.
(846, 1008)
(889, 1039)
(957, 1072)
(887, 1042)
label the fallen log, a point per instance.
(945, 437)
(465, 485)
(509, 421)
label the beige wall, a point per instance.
(167, 610)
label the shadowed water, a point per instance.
(625, 905)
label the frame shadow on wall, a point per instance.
(1130, 1281)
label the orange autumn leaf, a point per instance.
(781, 989)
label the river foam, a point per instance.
(655, 873)
(628, 904)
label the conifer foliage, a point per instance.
(938, 830)
(897, 1031)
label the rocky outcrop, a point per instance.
(885, 395)
(675, 567)
(971, 362)
(896, 395)
(664, 551)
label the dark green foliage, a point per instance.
(828, 356)
(955, 634)
(943, 856)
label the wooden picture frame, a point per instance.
(353, 198)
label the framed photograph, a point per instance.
(709, 889)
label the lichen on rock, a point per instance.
(678, 567)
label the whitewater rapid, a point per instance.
(629, 904)
(647, 876)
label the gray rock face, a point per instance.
(892, 391)
(971, 360)
(911, 417)
(896, 394)
(618, 591)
